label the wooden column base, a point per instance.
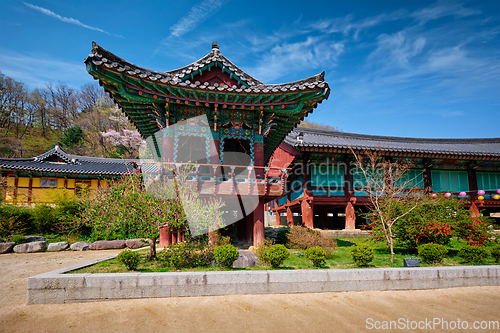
(350, 217)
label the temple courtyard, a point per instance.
(318, 312)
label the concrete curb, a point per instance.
(56, 287)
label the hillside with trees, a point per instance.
(83, 121)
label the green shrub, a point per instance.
(216, 239)
(303, 238)
(261, 250)
(18, 239)
(225, 255)
(16, 220)
(495, 252)
(277, 254)
(45, 218)
(282, 236)
(129, 258)
(362, 254)
(472, 253)
(317, 255)
(432, 253)
(186, 255)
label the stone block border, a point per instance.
(56, 287)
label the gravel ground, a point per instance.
(321, 312)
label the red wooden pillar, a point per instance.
(173, 236)
(249, 228)
(307, 214)
(258, 159)
(258, 223)
(16, 185)
(289, 217)
(30, 190)
(278, 218)
(323, 216)
(165, 237)
(350, 217)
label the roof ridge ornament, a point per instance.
(215, 47)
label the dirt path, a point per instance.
(326, 312)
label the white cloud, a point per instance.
(395, 50)
(36, 70)
(197, 15)
(443, 9)
(313, 53)
(66, 19)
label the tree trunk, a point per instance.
(152, 248)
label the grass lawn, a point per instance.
(341, 259)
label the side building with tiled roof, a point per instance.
(30, 180)
(324, 185)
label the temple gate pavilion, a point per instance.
(244, 115)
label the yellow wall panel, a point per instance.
(36, 182)
(22, 195)
(60, 182)
(23, 182)
(94, 183)
(71, 183)
(10, 181)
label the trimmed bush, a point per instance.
(303, 238)
(261, 250)
(432, 253)
(225, 255)
(495, 252)
(129, 258)
(317, 256)
(18, 239)
(362, 254)
(277, 254)
(186, 255)
(282, 236)
(471, 253)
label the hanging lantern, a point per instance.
(434, 195)
(481, 192)
(448, 195)
(480, 198)
(462, 194)
(496, 197)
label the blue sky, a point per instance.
(401, 68)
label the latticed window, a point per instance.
(48, 182)
(327, 176)
(449, 181)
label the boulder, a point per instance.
(135, 243)
(31, 247)
(6, 247)
(107, 245)
(55, 247)
(30, 239)
(246, 259)
(80, 246)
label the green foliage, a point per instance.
(282, 236)
(495, 252)
(276, 255)
(18, 239)
(45, 218)
(362, 254)
(471, 253)
(186, 255)
(261, 250)
(129, 258)
(225, 255)
(317, 256)
(303, 238)
(432, 253)
(71, 137)
(475, 231)
(216, 239)
(16, 220)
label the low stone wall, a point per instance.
(55, 287)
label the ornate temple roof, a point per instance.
(58, 161)
(308, 138)
(182, 76)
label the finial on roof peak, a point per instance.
(215, 45)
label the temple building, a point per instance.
(243, 114)
(31, 180)
(324, 186)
